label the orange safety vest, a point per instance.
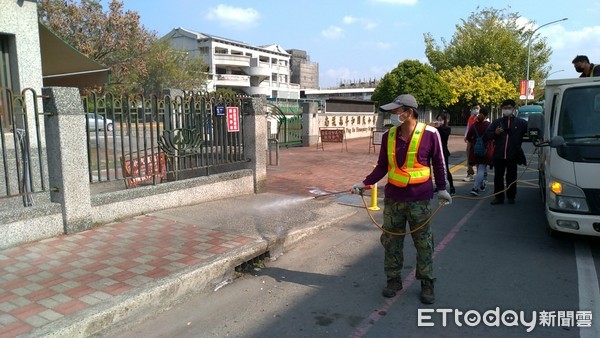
(411, 172)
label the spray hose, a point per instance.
(399, 234)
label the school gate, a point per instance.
(289, 123)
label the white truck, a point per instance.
(567, 135)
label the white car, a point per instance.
(99, 122)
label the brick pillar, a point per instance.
(67, 156)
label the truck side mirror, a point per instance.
(556, 141)
(535, 127)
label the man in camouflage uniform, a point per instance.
(411, 149)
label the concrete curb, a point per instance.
(276, 248)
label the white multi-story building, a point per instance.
(245, 68)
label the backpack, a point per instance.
(479, 148)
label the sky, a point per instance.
(356, 40)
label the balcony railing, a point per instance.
(260, 71)
(258, 91)
(231, 60)
(232, 80)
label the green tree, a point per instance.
(115, 39)
(167, 67)
(118, 40)
(413, 77)
(225, 92)
(492, 36)
(484, 85)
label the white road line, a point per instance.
(589, 292)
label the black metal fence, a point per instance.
(23, 166)
(148, 140)
(289, 124)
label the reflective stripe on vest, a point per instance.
(411, 172)
(592, 71)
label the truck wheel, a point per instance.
(551, 232)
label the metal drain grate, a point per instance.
(257, 262)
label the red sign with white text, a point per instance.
(523, 89)
(233, 119)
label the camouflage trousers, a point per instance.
(395, 216)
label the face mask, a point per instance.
(474, 111)
(506, 112)
(579, 69)
(396, 119)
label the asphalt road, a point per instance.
(498, 273)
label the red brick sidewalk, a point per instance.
(46, 281)
(308, 171)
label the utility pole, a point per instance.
(529, 54)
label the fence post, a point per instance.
(310, 124)
(255, 139)
(67, 156)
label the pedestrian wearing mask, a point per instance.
(406, 156)
(474, 112)
(478, 129)
(582, 65)
(507, 133)
(441, 123)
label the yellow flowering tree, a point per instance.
(475, 84)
